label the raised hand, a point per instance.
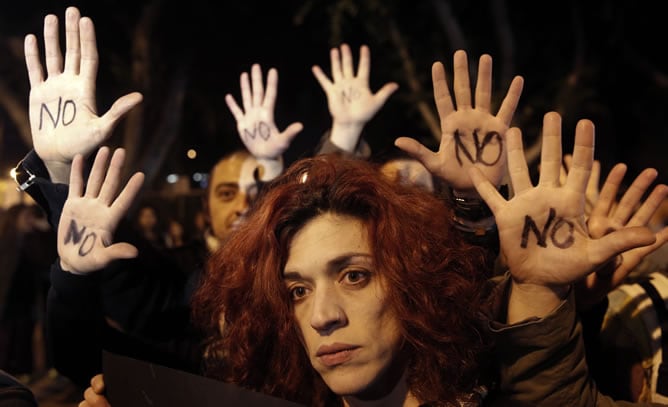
(90, 217)
(471, 136)
(349, 98)
(256, 121)
(63, 112)
(609, 215)
(542, 229)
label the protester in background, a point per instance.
(26, 253)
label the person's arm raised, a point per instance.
(91, 214)
(255, 122)
(62, 108)
(472, 136)
(542, 229)
(349, 98)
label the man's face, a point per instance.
(231, 188)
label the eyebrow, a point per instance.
(333, 265)
(227, 184)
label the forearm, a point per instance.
(327, 146)
(541, 361)
(346, 135)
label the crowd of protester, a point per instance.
(349, 277)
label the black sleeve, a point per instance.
(49, 196)
(78, 329)
(13, 393)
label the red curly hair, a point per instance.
(434, 284)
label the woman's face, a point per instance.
(351, 336)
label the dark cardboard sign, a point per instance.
(135, 383)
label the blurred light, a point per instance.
(197, 177)
(172, 178)
(192, 154)
(12, 173)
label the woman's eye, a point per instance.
(298, 292)
(356, 276)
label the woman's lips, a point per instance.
(337, 354)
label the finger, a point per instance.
(258, 89)
(550, 156)
(517, 164)
(583, 157)
(324, 82)
(128, 194)
(34, 66)
(97, 172)
(94, 400)
(291, 131)
(442, 96)
(509, 104)
(89, 55)
(568, 161)
(112, 179)
(336, 65)
(462, 84)
(483, 89)
(643, 215)
(364, 64)
(629, 202)
(120, 107)
(234, 108)
(53, 57)
(486, 189)
(632, 258)
(347, 62)
(72, 44)
(272, 88)
(594, 180)
(416, 150)
(619, 241)
(118, 251)
(562, 175)
(97, 383)
(618, 268)
(76, 177)
(246, 98)
(608, 195)
(384, 93)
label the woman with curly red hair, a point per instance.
(322, 275)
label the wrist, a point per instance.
(346, 135)
(532, 300)
(68, 269)
(59, 171)
(271, 167)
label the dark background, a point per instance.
(601, 60)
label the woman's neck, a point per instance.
(399, 396)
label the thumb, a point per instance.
(620, 241)
(385, 92)
(120, 107)
(120, 251)
(416, 150)
(291, 131)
